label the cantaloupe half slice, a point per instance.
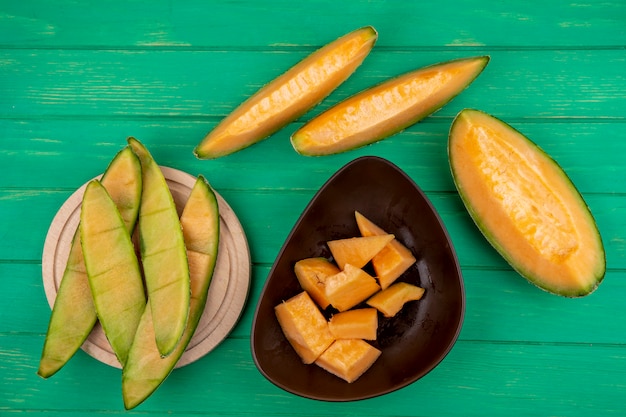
(357, 251)
(525, 205)
(359, 323)
(348, 358)
(350, 287)
(289, 96)
(304, 326)
(392, 260)
(145, 368)
(312, 274)
(387, 108)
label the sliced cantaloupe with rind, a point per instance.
(350, 287)
(525, 205)
(393, 260)
(357, 251)
(289, 96)
(304, 326)
(348, 358)
(312, 274)
(387, 108)
(391, 300)
(359, 323)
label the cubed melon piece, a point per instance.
(391, 300)
(312, 274)
(304, 326)
(360, 323)
(393, 260)
(357, 251)
(350, 287)
(348, 358)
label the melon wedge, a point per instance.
(304, 326)
(312, 274)
(525, 205)
(145, 368)
(163, 254)
(387, 108)
(74, 314)
(392, 260)
(350, 287)
(112, 268)
(360, 323)
(289, 96)
(348, 358)
(391, 300)
(357, 251)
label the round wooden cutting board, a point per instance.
(229, 287)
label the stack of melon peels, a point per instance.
(342, 345)
(106, 281)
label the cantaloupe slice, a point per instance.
(304, 326)
(393, 260)
(391, 300)
(525, 205)
(357, 251)
(289, 96)
(350, 287)
(348, 358)
(387, 108)
(312, 274)
(73, 314)
(360, 323)
(112, 268)
(163, 254)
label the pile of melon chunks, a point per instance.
(340, 344)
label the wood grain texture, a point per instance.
(77, 78)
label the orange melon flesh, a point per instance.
(312, 274)
(304, 326)
(392, 260)
(289, 96)
(387, 108)
(357, 251)
(348, 358)
(391, 300)
(350, 287)
(525, 205)
(360, 323)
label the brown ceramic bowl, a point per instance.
(414, 341)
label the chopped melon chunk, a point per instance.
(393, 260)
(348, 358)
(357, 251)
(361, 323)
(350, 287)
(392, 299)
(304, 326)
(312, 274)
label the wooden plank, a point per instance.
(120, 84)
(545, 377)
(67, 153)
(517, 303)
(269, 220)
(196, 24)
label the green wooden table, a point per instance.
(77, 78)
